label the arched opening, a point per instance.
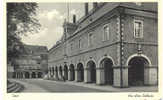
(60, 71)
(56, 71)
(80, 72)
(26, 74)
(21, 74)
(136, 71)
(33, 75)
(92, 69)
(107, 64)
(14, 74)
(72, 72)
(52, 71)
(65, 72)
(39, 74)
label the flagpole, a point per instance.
(68, 12)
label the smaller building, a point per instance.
(10, 70)
(32, 63)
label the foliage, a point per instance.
(21, 20)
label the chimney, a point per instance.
(95, 4)
(86, 8)
(74, 19)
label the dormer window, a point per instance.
(138, 29)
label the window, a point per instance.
(79, 43)
(138, 29)
(106, 32)
(90, 39)
(71, 46)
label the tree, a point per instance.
(21, 19)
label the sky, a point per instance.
(51, 17)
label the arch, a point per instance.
(56, 72)
(107, 64)
(136, 70)
(60, 71)
(92, 69)
(90, 60)
(65, 70)
(109, 57)
(27, 75)
(138, 55)
(33, 75)
(80, 72)
(72, 72)
(39, 74)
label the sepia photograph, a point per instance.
(82, 47)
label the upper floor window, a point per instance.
(138, 29)
(90, 39)
(71, 46)
(79, 43)
(106, 32)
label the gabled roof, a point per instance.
(35, 49)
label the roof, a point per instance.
(108, 7)
(35, 49)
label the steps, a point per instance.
(14, 87)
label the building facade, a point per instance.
(33, 63)
(114, 43)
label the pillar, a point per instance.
(30, 75)
(124, 80)
(36, 73)
(120, 78)
(87, 75)
(59, 74)
(69, 75)
(100, 77)
(23, 75)
(76, 75)
(54, 74)
(151, 75)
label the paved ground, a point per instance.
(40, 85)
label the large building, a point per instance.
(33, 63)
(114, 43)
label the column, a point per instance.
(100, 79)
(30, 75)
(151, 75)
(87, 75)
(69, 75)
(124, 81)
(24, 75)
(117, 76)
(36, 73)
(76, 75)
(56, 74)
